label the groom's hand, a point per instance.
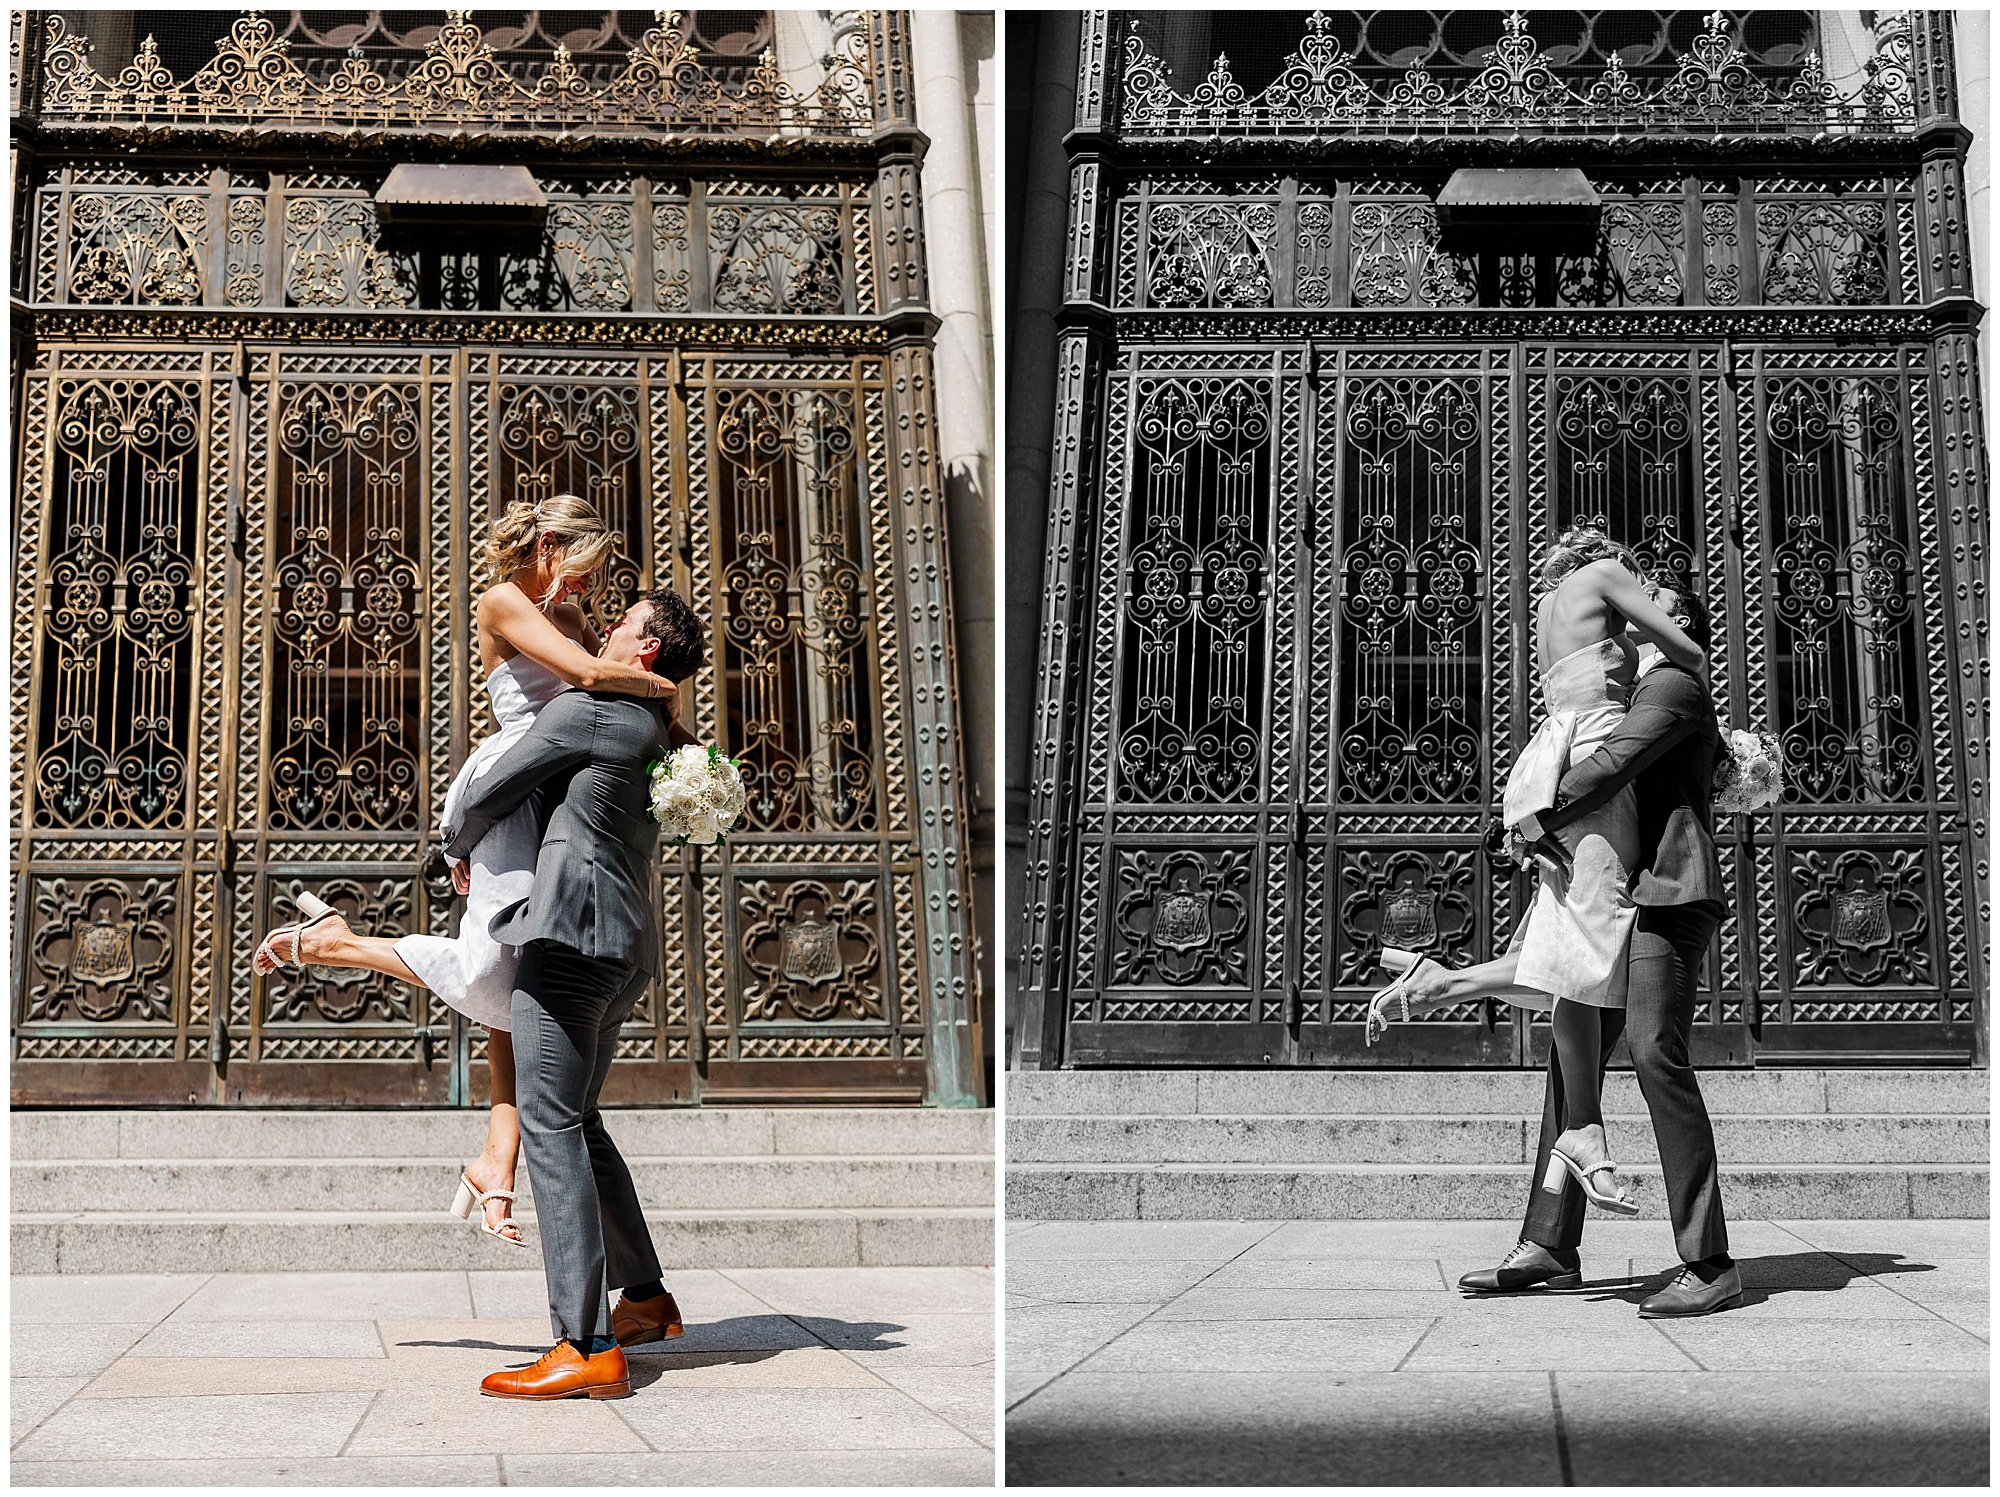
(461, 877)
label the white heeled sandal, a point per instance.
(470, 1196)
(315, 910)
(1406, 965)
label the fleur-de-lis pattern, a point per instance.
(1412, 640)
(1195, 598)
(797, 601)
(1849, 698)
(1327, 88)
(579, 439)
(1624, 463)
(118, 626)
(348, 597)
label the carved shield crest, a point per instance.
(1409, 918)
(811, 951)
(1180, 921)
(1861, 918)
(102, 953)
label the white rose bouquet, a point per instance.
(1749, 772)
(697, 795)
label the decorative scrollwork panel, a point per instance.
(1817, 245)
(334, 257)
(350, 599)
(1182, 918)
(585, 259)
(144, 247)
(1418, 899)
(1395, 260)
(117, 623)
(796, 599)
(1412, 584)
(1641, 258)
(1210, 254)
(1850, 699)
(776, 253)
(1196, 593)
(587, 440)
(1624, 458)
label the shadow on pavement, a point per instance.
(737, 1341)
(1778, 1273)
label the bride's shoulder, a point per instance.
(499, 600)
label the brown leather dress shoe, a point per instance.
(564, 1372)
(635, 1322)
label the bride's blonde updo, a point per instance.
(1578, 547)
(579, 531)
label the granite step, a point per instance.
(447, 1133)
(189, 1190)
(1516, 1093)
(752, 1182)
(1385, 1138)
(327, 1242)
(1394, 1192)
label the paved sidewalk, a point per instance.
(820, 1377)
(1340, 1352)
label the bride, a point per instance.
(534, 642)
(1569, 951)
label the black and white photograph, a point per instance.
(1495, 743)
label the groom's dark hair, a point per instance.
(672, 622)
(1689, 607)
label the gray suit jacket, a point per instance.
(592, 890)
(1665, 748)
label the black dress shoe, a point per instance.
(1526, 1265)
(1687, 1295)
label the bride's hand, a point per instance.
(461, 877)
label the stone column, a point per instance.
(1975, 83)
(937, 735)
(1038, 223)
(954, 190)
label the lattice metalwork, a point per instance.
(1624, 462)
(117, 622)
(1849, 697)
(1327, 87)
(582, 439)
(346, 731)
(668, 83)
(1412, 669)
(1192, 713)
(796, 596)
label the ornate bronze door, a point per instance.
(1312, 659)
(246, 577)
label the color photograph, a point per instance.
(502, 776)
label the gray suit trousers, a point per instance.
(1668, 943)
(567, 1009)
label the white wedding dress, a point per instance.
(471, 971)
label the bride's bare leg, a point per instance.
(1435, 987)
(494, 1168)
(329, 943)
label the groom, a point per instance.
(589, 938)
(1665, 748)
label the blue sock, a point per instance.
(592, 1345)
